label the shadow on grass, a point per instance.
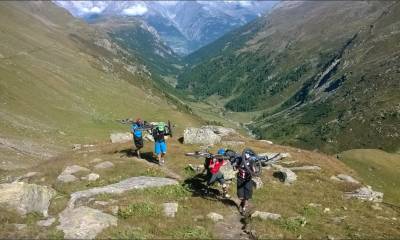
(148, 156)
(197, 186)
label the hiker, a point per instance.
(160, 147)
(212, 165)
(137, 135)
(245, 166)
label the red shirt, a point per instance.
(215, 165)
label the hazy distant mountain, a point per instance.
(184, 25)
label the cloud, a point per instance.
(92, 10)
(136, 10)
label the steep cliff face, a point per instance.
(324, 74)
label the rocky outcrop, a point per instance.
(200, 136)
(366, 194)
(123, 186)
(120, 137)
(84, 222)
(26, 198)
(265, 215)
(170, 209)
(206, 135)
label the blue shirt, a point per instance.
(136, 131)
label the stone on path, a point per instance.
(120, 137)
(26, 198)
(84, 222)
(287, 175)
(215, 217)
(123, 186)
(366, 194)
(19, 226)
(104, 165)
(305, 168)
(170, 209)
(265, 215)
(46, 223)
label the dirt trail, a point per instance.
(232, 227)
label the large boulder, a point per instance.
(221, 131)
(121, 137)
(84, 222)
(227, 171)
(121, 187)
(26, 198)
(203, 136)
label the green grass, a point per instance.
(377, 168)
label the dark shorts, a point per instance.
(217, 177)
(244, 188)
(138, 142)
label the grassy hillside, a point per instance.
(378, 168)
(62, 82)
(324, 74)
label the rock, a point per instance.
(227, 171)
(338, 220)
(170, 209)
(376, 207)
(148, 137)
(46, 223)
(286, 175)
(123, 186)
(96, 160)
(347, 178)
(121, 137)
(197, 168)
(104, 165)
(315, 205)
(366, 194)
(215, 217)
(84, 222)
(26, 198)
(221, 131)
(306, 168)
(266, 141)
(334, 178)
(91, 177)
(114, 210)
(74, 169)
(19, 226)
(327, 210)
(66, 178)
(101, 203)
(200, 136)
(76, 147)
(258, 183)
(265, 215)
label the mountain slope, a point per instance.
(63, 82)
(323, 73)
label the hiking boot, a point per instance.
(162, 162)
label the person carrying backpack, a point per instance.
(160, 147)
(245, 166)
(137, 135)
(212, 165)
